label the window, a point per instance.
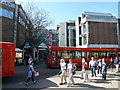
(21, 21)
(6, 13)
(0, 56)
(54, 55)
(103, 54)
(7, 3)
(84, 39)
(23, 14)
(78, 54)
(68, 54)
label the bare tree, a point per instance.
(38, 20)
(38, 17)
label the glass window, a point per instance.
(111, 54)
(68, 54)
(53, 55)
(85, 39)
(23, 14)
(0, 56)
(7, 3)
(6, 13)
(78, 54)
(21, 21)
(103, 54)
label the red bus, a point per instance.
(76, 54)
(7, 56)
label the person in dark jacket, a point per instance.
(104, 69)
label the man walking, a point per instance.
(63, 69)
(92, 65)
(116, 61)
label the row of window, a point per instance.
(67, 54)
(6, 13)
(23, 14)
(21, 21)
(7, 3)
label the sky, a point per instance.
(64, 11)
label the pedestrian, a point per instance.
(30, 59)
(111, 64)
(83, 61)
(31, 72)
(35, 60)
(92, 65)
(104, 69)
(99, 66)
(71, 67)
(85, 71)
(60, 72)
(116, 62)
(63, 69)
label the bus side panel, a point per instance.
(5, 60)
(8, 54)
(12, 58)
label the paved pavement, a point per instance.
(48, 79)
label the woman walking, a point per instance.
(71, 70)
(31, 72)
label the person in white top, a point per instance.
(63, 69)
(83, 61)
(92, 65)
(71, 69)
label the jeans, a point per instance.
(104, 75)
(93, 70)
(99, 70)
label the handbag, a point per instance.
(37, 74)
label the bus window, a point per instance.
(99, 54)
(58, 57)
(78, 54)
(53, 55)
(0, 56)
(103, 54)
(95, 54)
(67, 54)
(111, 54)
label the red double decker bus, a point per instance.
(76, 55)
(7, 59)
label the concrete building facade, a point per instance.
(14, 23)
(96, 30)
(54, 37)
(67, 34)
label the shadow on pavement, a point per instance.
(19, 79)
(83, 85)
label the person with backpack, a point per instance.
(71, 67)
(116, 62)
(85, 71)
(104, 69)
